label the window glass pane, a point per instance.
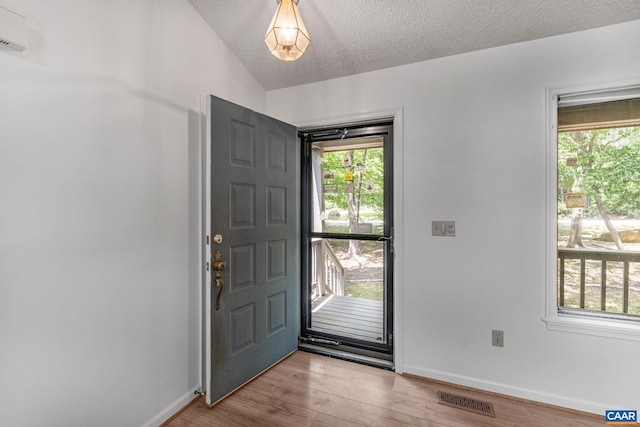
(599, 209)
(348, 186)
(348, 288)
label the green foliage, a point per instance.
(372, 290)
(608, 167)
(374, 171)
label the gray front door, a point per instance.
(254, 207)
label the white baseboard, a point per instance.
(550, 399)
(174, 407)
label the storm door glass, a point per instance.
(348, 295)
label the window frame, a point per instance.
(573, 321)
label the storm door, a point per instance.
(347, 242)
(253, 245)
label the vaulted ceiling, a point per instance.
(354, 36)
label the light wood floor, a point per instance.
(312, 390)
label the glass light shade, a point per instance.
(287, 37)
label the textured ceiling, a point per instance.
(355, 36)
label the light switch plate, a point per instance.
(443, 228)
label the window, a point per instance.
(593, 172)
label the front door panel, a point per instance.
(254, 206)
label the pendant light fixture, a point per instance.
(287, 37)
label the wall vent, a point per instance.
(466, 403)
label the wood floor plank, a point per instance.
(265, 409)
(329, 404)
(371, 392)
(323, 420)
(339, 369)
(372, 386)
(309, 390)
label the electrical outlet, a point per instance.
(497, 338)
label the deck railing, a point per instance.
(584, 255)
(327, 273)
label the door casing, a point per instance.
(383, 129)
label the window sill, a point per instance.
(609, 328)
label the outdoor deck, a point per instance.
(357, 318)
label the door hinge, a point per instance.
(207, 266)
(306, 149)
(390, 339)
(206, 239)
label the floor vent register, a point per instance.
(467, 403)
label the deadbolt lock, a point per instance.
(218, 264)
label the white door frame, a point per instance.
(396, 114)
(204, 249)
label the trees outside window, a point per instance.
(364, 202)
(602, 165)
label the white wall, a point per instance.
(474, 152)
(98, 208)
